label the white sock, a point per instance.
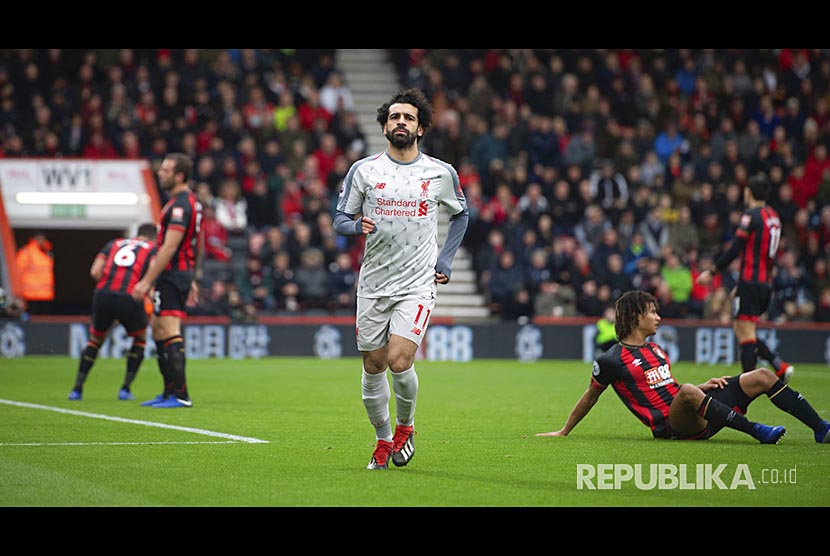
(376, 394)
(405, 385)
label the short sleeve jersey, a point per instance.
(403, 199)
(642, 378)
(761, 228)
(183, 212)
(126, 261)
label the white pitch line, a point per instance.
(136, 422)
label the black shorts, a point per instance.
(752, 299)
(170, 298)
(109, 306)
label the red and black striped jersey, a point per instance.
(126, 261)
(760, 228)
(182, 212)
(641, 376)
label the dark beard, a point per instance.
(400, 141)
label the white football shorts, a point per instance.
(406, 316)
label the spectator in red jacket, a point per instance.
(216, 236)
(99, 147)
(310, 110)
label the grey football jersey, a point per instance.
(403, 199)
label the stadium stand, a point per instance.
(551, 145)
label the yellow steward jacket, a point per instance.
(37, 277)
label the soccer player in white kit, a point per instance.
(393, 198)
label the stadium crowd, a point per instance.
(588, 172)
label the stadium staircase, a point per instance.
(372, 79)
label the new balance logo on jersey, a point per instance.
(415, 330)
(637, 362)
(380, 185)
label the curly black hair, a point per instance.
(412, 96)
(629, 307)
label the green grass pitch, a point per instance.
(292, 432)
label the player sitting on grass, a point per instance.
(640, 373)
